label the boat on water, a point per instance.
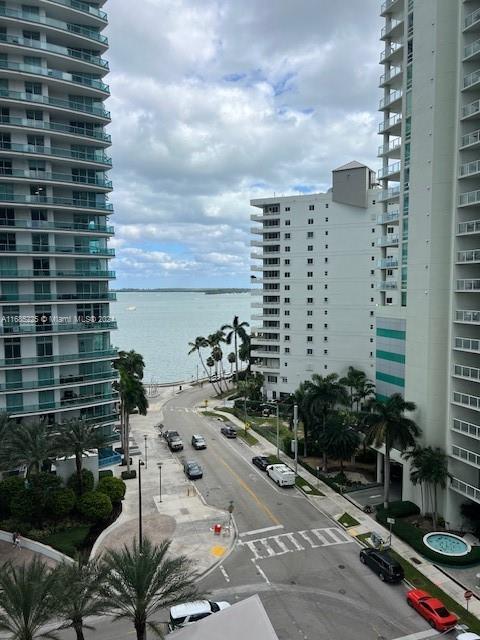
(131, 308)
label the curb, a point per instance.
(230, 550)
(37, 547)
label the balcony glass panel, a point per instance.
(71, 105)
(467, 428)
(468, 316)
(89, 155)
(72, 357)
(465, 489)
(59, 127)
(469, 227)
(467, 344)
(468, 256)
(54, 73)
(83, 6)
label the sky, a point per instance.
(216, 102)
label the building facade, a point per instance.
(428, 332)
(55, 351)
(315, 261)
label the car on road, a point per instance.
(228, 432)
(261, 462)
(198, 442)
(432, 609)
(175, 443)
(387, 569)
(193, 470)
(189, 612)
(169, 433)
(281, 474)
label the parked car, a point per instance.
(261, 462)
(281, 474)
(387, 569)
(189, 612)
(229, 432)
(432, 609)
(193, 470)
(198, 442)
(175, 443)
(169, 432)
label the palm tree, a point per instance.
(78, 438)
(388, 426)
(245, 351)
(78, 588)
(235, 330)
(300, 397)
(27, 600)
(133, 397)
(5, 425)
(364, 390)
(144, 578)
(324, 392)
(130, 362)
(214, 340)
(231, 360)
(352, 380)
(29, 445)
(210, 363)
(340, 441)
(196, 346)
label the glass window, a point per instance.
(13, 378)
(44, 346)
(12, 348)
(14, 402)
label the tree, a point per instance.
(78, 586)
(231, 360)
(471, 511)
(144, 578)
(245, 351)
(37, 498)
(196, 347)
(113, 487)
(388, 426)
(131, 363)
(78, 438)
(300, 397)
(364, 390)
(251, 388)
(352, 381)
(27, 444)
(210, 364)
(324, 392)
(235, 330)
(340, 440)
(95, 506)
(27, 600)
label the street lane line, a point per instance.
(254, 531)
(420, 635)
(281, 544)
(268, 548)
(224, 573)
(253, 548)
(260, 571)
(306, 537)
(297, 546)
(379, 496)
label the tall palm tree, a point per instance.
(352, 380)
(27, 444)
(196, 347)
(6, 424)
(231, 360)
(130, 362)
(340, 441)
(78, 587)
(144, 578)
(235, 330)
(133, 397)
(27, 600)
(210, 363)
(388, 426)
(78, 438)
(245, 351)
(364, 390)
(324, 392)
(300, 397)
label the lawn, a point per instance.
(247, 437)
(68, 542)
(212, 414)
(347, 521)
(301, 484)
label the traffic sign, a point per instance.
(468, 594)
(391, 520)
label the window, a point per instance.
(44, 346)
(371, 313)
(326, 246)
(325, 352)
(286, 325)
(373, 244)
(326, 205)
(372, 272)
(325, 326)
(286, 350)
(309, 352)
(286, 261)
(325, 312)
(287, 287)
(33, 88)
(371, 339)
(373, 230)
(287, 249)
(372, 299)
(287, 236)
(372, 258)
(286, 338)
(311, 207)
(309, 300)
(372, 286)
(286, 312)
(309, 234)
(326, 219)
(31, 35)
(309, 260)
(309, 287)
(371, 326)
(310, 247)
(325, 338)
(309, 274)
(271, 378)
(287, 208)
(373, 201)
(285, 364)
(389, 300)
(309, 325)
(309, 312)
(284, 380)
(287, 274)
(287, 223)
(309, 338)
(325, 273)
(310, 221)
(286, 300)
(12, 348)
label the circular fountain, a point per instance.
(448, 544)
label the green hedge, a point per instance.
(88, 482)
(114, 488)
(128, 475)
(106, 473)
(95, 506)
(400, 509)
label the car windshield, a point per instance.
(214, 607)
(442, 612)
(193, 466)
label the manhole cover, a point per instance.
(341, 566)
(279, 504)
(292, 582)
(342, 592)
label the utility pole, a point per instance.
(278, 433)
(159, 465)
(295, 430)
(140, 530)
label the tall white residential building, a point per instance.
(428, 333)
(55, 351)
(316, 263)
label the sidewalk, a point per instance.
(336, 505)
(181, 516)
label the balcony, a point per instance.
(83, 6)
(466, 316)
(465, 455)
(388, 6)
(466, 400)
(390, 216)
(471, 140)
(256, 256)
(93, 156)
(72, 29)
(464, 489)
(471, 198)
(69, 381)
(471, 50)
(260, 366)
(390, 171)
(471, 80)
(466, 428)
(55, 74)
(15, 274)
(390, 50)
(54, 48)
(390, 147)
(387, 263)
(55, 297)
(47, 407)
(467, 257)
(387, 285)
(388, 194)
(389, 28)
(390, 99)
(56, 127)
(466, 373)
(69, 105)
(392, 124)
(388, 241)
(388, 76)
(35, 175)
(471, 345)
(468, 228)
(469, 169)
(49, 249)
(472, 21)
(73, 327)
(102, 354)
(471, 111)
(41, 225)
(64, 203)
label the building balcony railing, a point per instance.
(101, 354)
(387, 5)
(54, 273)
(70, 105)
(468, 228)
(392, 97)
(83, 6)
(390, 170)
(471, 79)
(70, 381)
(70, 327)
(388, 194)
(97, 156)
(393, 47)
(57, 127)
(465, 455)
(54, 48)
(388, 28)
(468, 373)
(389, 216)
(41, 225)
(41, 249)
(472, 20)
(75, 29)
(471, 255)
(467, 490)
(69, 403)
(467, 344)
(56, 74)
(468, 285)
(469, 198)
(469, 169)
(471, 110)
(470, 139)
(45, 176)
(387, 285)
(77, 203)
(388, 123)
(393, 72)
(388, 241)
(56, 297)
(466, 428)
(387, 263)
(389, 147)
(466, 400)
(471, 49)
(467, 316)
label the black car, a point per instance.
(387, 569)
(261, 462)
(229, 432)
(193, 470)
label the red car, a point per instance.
(432, 610)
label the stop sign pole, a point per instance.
(467, 595)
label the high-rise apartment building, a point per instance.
(428, 330)
(55, 351)
(318, 253)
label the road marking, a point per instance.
(297, 546)
(263, 548)
(306, 537)
(265, 529)
(377, 496)
(282, 545)
(260, 571)
(224, 573)
(429, 633)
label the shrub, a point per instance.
(23, 507)
(10, 488)
(95, 506)
(114, 488)
(61, 502)
(87, 480)
(31, 504)
(128, 475)
(400, 509)
(106, 473)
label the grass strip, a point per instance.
(346, 520)
(301, 483)
(69, 541)
(212, 414)
(247, 437)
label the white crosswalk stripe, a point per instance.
(283, 543)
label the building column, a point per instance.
(379, 467)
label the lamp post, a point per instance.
(140, 529)
(295, 427)
(159, 465)
(145, 439)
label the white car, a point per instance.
(190, 612)
(281, 474)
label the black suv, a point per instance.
(384, 565)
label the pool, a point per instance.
(447, 544)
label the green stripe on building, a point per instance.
(393, 357)
(385, 377)
(391, 333)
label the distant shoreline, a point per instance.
(180, 290)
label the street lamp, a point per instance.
(140, 530)
(145, 439)
(295, 427)
(159, 465)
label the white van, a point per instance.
(190, 612)
(281, 474)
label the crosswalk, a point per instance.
(281, 544)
